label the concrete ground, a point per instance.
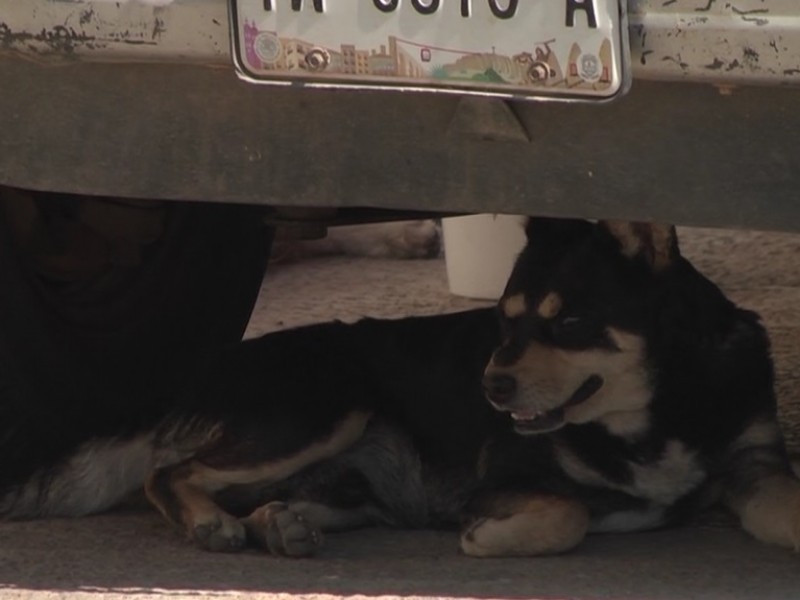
(132, 554)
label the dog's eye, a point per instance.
(572, 330)
(570, 322)
(570, 325)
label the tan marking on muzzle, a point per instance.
(550, 306)
(547, 376)
(515, 306)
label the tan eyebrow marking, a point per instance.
(550, 306)
(515, 306)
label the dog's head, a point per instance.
(576, 316)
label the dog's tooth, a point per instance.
(528, 415)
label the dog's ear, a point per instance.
(654, 243)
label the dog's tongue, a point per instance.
(531, 422)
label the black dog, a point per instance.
(625, 392)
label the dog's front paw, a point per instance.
(219, 533)
(772, 512)
(279, 529)
(534, 526)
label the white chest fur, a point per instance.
(662, 481)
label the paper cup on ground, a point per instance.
(480, 251)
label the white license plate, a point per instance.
(562, 49)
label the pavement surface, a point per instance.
(131, 554)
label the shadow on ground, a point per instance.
(137, 554)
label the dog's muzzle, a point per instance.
(501, 390)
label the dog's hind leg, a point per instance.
(525, 524)
(184, 493)
(761, 487)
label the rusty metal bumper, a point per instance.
(139, 98)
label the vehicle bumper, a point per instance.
(140, 100)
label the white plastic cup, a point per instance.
(480, 251)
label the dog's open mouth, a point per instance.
(532, 422)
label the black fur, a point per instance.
(436, 453)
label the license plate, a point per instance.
(560, 49)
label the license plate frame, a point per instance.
(292, 42)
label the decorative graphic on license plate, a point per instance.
(405, 43)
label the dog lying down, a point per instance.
(614, 389)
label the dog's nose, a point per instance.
(499, 388)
